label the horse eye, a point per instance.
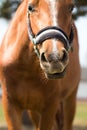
(71, 7)
(31, 8)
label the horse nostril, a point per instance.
(43, 58)
(64, 56)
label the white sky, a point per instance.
(81, 24)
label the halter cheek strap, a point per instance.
(51, 32)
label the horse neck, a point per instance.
(16, 37)
(16, 48)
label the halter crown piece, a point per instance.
(50, 32)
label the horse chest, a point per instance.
(27, 91)
(23, 89)
(31, 99)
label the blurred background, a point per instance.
(7, 11)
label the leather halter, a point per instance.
(50, 32)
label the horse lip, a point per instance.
(56, 75)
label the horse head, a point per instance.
(50, 30)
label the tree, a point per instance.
(81, 6)
(8, 7)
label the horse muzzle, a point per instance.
(54, 64)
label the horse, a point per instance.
(39, 65)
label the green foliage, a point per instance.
(2, 118)
(81, 114)
(8, 7)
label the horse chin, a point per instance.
(55, 75)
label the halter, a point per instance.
(50, 32)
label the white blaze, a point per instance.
(54, 13)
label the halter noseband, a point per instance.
(51, 32)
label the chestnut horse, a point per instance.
(45, 83)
